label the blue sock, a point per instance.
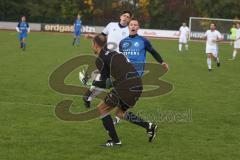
(78, 40)
(24, 45)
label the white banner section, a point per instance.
(158, 33)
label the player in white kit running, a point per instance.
(115, 32)
(183, 37)
(236, 42)
(213, 36)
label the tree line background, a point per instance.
(164, 14)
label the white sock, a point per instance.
(234, 54)
(186, 47)
(217, 59)
(180, 47)
(209, 63)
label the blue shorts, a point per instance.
(77, 33)
(22, 35)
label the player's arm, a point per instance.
(100, 84)
(28, 28)
(91, 36)
(74, 26)
(120, 46)
(155, 54)
(17, 28)
(104, 32)
(104, 81)
(219, 37)
(179, 34)
(205, 35)
(188, 34)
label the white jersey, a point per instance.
(212, 37)
(115, 34)
(238, 33)
(237, 42)
(184, 31)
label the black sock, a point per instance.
(21, 44)
(108, 125)
(129, 116)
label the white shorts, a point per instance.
(183, 40)
(213, 50)
(237, 44)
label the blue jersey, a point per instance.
(23, 27)
(135, 48)
(77, 25)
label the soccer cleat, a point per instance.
(110, 143)
(151, 131)
(116, 120)
(218, 64)
(209, 70)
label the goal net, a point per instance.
(198, 26)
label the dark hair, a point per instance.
(129, 12)
(134, 19)
(214, 24)
(100, 40)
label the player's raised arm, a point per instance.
(104, 32)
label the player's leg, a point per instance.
(110, 102)
(181, 42)
(74, 39)
(234, 53)
(104, 110)
(90, 94)
(24, 43)
(20, 40)
(209, 61)
(122, 113)
(236, 48)
(180, 45)
(185, 42)
(215, 56)
(93, 91)
(209, 56)
(78, 38)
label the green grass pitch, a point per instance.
(29, 129)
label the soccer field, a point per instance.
(30, 130)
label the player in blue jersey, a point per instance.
(23, 29)
(77, 30)
(134, 47)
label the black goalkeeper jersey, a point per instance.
(115, 66)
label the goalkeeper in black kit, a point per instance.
(127, 88)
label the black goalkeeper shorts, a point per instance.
(124, 99)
